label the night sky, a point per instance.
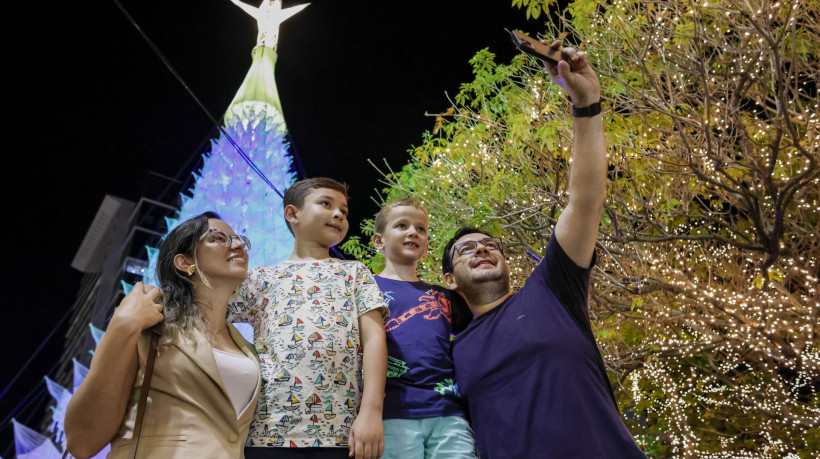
(93, 109)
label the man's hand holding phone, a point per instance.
(567, 67)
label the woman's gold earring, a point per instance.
(191, 270)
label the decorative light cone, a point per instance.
(30, 444)
(226, 184)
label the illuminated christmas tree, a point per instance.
(247, 199)
(243, 187)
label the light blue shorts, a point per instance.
(443, 437)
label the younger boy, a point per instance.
(318, 326)
(423, 416)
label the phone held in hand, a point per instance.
(535, 48)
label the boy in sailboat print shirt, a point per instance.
(318, 324)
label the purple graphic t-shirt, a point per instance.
(420, 375)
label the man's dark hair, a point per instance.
(447, 257)
(295, 195)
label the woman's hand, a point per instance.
(139, 308)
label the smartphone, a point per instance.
(535, 48)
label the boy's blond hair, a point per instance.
(384, 214)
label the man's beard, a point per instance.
(490, 277)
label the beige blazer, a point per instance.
(188, 413)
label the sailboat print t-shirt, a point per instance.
(305, 317)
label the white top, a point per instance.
(239, 373)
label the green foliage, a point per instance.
(704, 296)
(533, 8)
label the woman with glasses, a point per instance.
(206, 377)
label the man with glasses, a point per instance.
(528, 365)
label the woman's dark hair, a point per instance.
(182, 315)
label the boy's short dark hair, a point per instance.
(446, 256)
(295, 195)
(380, 222)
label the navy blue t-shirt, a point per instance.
(533, 380)
(420, 374)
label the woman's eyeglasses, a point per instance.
(224, 239)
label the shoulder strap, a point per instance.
(146, 386)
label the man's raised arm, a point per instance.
(577, 227)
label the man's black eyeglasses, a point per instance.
(468, 247)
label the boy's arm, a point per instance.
(367, 432)
(243, 305)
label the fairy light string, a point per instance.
(705, 297)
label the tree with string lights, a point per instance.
(705, 294)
